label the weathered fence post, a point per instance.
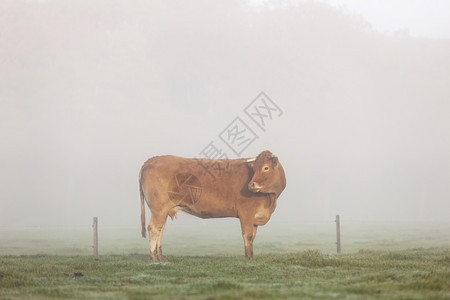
(338, 234)
(95, 235)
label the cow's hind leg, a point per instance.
(248, 234)
(155, 228)
(160, 255)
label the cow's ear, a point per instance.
(251, 162)
(274, 160)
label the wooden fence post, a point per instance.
(95, 235)
(338, 234)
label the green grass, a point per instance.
(410, 274)
(295, 264)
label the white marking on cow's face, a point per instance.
(254, 187)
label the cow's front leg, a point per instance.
(248, 234)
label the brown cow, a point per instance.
(243, 188)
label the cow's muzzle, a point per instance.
(254, 187)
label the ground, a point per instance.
(378, 262)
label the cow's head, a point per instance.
(268, 174)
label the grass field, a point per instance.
(378, 262)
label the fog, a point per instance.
(91, 89)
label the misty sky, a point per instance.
(418, 18)
(91, 89)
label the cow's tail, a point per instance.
(144, 231)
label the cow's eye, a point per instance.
(266, 168)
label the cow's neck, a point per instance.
(272, 197)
